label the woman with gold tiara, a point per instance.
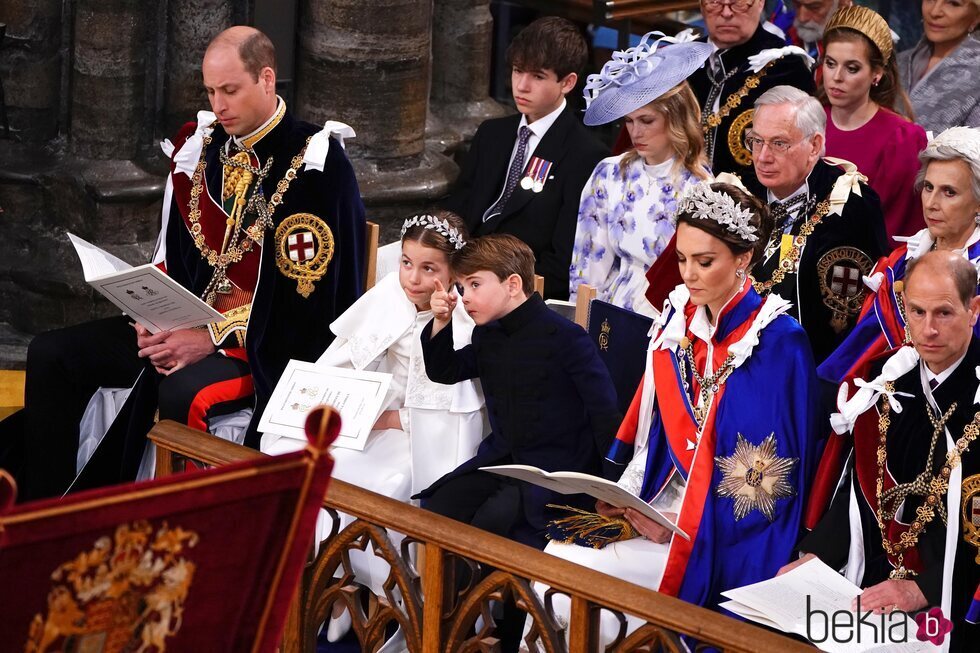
(860, 87)
(702, 444)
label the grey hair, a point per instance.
(943, 152)
(810, 116)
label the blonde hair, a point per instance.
(682, 114)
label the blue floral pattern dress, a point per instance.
(624, 224)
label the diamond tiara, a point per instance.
(704, 203)
(441, 227)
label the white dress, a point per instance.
(623, 227)
(442, 425)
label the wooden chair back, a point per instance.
(583, 302)
(372, 234)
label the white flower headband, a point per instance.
(631, 64)
(441, 227)
(706, 204)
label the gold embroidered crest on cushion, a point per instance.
(125, 594)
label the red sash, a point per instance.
(680, 429)
(212, 221)
(866, 439)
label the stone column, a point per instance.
(191, 26)
(30, 66)
(461, 40)
(366, 63)
(109, 78)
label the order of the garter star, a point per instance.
(755, 477)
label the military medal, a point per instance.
(537, 174)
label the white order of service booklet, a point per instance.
(144, 293)
(579, 483)
(814, 601)
(357, 395)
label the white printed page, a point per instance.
(155, 300)
(144, 293)
(814, 601)
(357, 395)
(96, 262)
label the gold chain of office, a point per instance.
(232, 252)
(792, 256)
(934, 490)
(708, 385)
(712, 120)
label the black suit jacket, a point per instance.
(550, 400)
(545, 221)
(726, 141)
(846, 243)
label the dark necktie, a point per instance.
(778, 212)
(784, 212)
(516, 166)
(715, 69)
(933, 383)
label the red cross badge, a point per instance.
(845, 280)
(301, 246)
(839, 273)
(304, 249)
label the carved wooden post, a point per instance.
(461, 39)
(434, 590)
(108, 78)
(366, 63)
(191, 26)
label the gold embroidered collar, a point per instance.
(248, 141)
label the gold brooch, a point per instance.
(736, 138)
(755, 477)
(304, 249)
(839, 273)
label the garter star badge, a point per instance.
(839, 272)
(971, 512)
(304, 249)
(755, 477)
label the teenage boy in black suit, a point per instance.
(524, 173)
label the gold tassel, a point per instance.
(588, 528)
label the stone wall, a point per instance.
(93, 85)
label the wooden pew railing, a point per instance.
(421, 594)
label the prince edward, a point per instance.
(904, 519)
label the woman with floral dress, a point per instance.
(625, 216)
